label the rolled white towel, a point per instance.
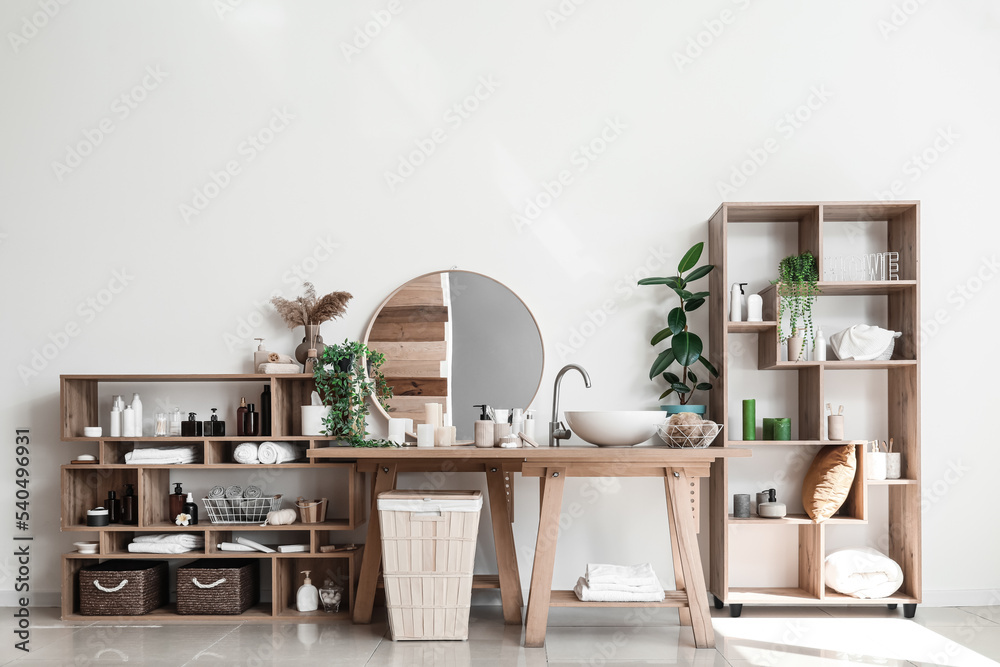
(271, 453)
(157, 548)
(183, 539)
(246, 452)
(584, 593)
(623, 575)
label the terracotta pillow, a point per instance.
(828, 481)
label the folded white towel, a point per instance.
(246, 452)
(622, 588)
(584, 593)
(183, 539)
(271, 453)
(232, 546)
(157, 548)
(165, 461)
(623, 575)
(162, 456)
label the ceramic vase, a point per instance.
(312, 339)
(795, 351)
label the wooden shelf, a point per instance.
(839, 365)
(797, 596)
(750, 327)
(774, 443)
(174, 440)
(791, 519)
(891, 482)
(853, 288)
(569, 599)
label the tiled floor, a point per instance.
(799, 637)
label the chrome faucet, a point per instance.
(557, 430)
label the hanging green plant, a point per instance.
(685, 346)
(798, 277)
(343, 385)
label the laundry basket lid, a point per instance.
(423, 501)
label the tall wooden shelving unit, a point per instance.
(84, 487)
(903, 389)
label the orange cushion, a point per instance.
(828, 481)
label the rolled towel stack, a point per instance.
(619, 583)
(246, 452)
(166, 543)
(217, 492)
(162, 455)
(271, 453)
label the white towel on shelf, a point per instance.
(232, 546)
(584, 593)
(162, 455)
(622, 575)
(622, 588)
(271, 453)
(157, 548)
(246, 452)
(183, 539)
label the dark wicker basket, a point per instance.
(123, 587)
(217, 586)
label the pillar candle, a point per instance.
(397, 429)
(749, 419)
(432, 414)
(783, 428)
(425, 435)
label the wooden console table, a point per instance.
(552, 465)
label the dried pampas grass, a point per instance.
(307, 309)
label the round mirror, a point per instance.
(457, 338)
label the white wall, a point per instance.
(886, 88)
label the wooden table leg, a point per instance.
(503, 538)
(371, 561)
(540, 592)
(679, 507)
(684, 613)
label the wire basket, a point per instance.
(240, 510)
(693, 436)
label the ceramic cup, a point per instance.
(835, 427)
(877, 465)
(92, 431)
(894, 465)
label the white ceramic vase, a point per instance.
(312, 419)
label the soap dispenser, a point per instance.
(260, 356)
(265, 411)
(241, 417)
(176, 501)
(251, 421)
(114, 507)
(737, 303)
(307, 599)
(191, 510)
(192, 427)
(213, 427)
(130, 506)
(772, 509)
(528, 429)
(483, 428)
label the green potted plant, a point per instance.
(343, 385)
(686, 347)
(797, 290)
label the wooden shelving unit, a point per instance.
(901, 220)
(84, 486)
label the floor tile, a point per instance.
(767, 611)
(147, 645)
(664, 645)
(38, 639)
(457, 653)
(983, 639)
(332, 643)
(930, 617)
(989, 613)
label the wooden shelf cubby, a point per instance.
(804, 222)
(84, 486)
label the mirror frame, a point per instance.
(371, 323)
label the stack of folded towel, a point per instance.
(162, 456)
(166, 543)
(269, 453)
(619, 583)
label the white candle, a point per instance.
(397, 430)
(425, 435)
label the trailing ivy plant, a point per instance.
(797, 292)
(685, 346)
(343, 385)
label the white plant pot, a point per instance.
(312, 419)
(795, 348)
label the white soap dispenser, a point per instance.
(260, 356)
(307, 599)
(772, 509)
(819, 348)
(737, 303)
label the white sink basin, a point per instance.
(615, 428)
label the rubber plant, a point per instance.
(343, 385)
(797, 290)
(686, 347)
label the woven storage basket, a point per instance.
(217, 586)
(123, 587)
(428, 553)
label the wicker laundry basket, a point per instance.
(123, 587)
(217, 586)
(428, 553)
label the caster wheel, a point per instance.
(909, 610)
(718, 603)
(735, 610)
(892, 607)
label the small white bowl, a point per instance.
(92, 431)
(86, 547)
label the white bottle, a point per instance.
(528, 428)
(819, 351)
(736, 303)
(755, 308)
(116, 421)
(128, 422)
(307, 599)
(137, 409)
(516, 421)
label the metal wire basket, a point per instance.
(240, 510)
(693, 436)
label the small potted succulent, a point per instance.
(343, 385)
(685, 349)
